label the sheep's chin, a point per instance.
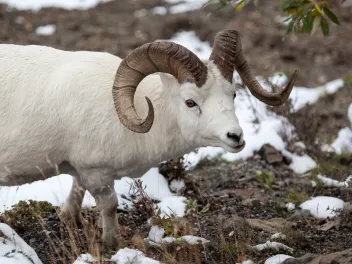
(234, 149)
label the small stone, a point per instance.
(251, 202)
(300, 215)
(270, 154)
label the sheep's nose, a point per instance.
(235, 137)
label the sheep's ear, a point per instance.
(168, 80)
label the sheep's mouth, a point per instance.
(240, 147)
(235, 149)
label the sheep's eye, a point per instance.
(234, 96)
(190, 103)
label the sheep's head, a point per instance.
(206, 91)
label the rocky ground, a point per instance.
(230, 204)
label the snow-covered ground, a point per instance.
(13, 249)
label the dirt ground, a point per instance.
(227, 203)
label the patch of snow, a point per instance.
(278, 78)
(185, 6)
(46, 30)
(278, 236)
(192, 159)
(159, 10)
(247, 262)
(84, 259)
(177, 185)
(194, 240)
(173, 205)
(331, 182)
(155, 185)
(156, 234)
(190, 40)
(314, 184)
(301, 96)
(343, 142)
(14, 250)
(290, 206)
(277, 259)
(300, 144)
(300, 164)
(38, 4)
(349, 114)
(127, 255)
(274, 245)
(323, 206)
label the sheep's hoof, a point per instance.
(70, 219)
(111, 240)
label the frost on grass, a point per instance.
(46, 30)
(38, 4)
(277, 259)
(13, 249)
(323, 206)
(274, 245)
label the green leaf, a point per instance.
(324, 26)
(316, 23)
(331, 15)
(308, 22)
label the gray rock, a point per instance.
(270, 154)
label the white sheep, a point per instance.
(80, 113)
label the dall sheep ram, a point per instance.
(81, 113)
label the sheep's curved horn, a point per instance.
(227, 55)
(167, 57)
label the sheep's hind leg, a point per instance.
(70, 212)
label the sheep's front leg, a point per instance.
(71, 210)
(100, 184)
(107, 203)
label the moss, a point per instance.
(334, 165)
(266, 179)
(297, 197)
(347, 80)
(24, 212)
